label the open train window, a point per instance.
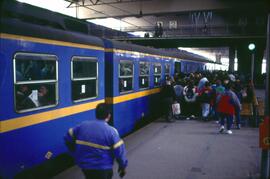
(144, 75)
(157, 74)
(84, 78)
(35, 81)
(167, 70)
(125, 76)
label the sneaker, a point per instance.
(229, 132)
(221, 129)
(187, 118)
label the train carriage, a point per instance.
(134, 76)
(50, 80)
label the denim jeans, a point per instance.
(205, 109)
(238, 117)
(229, 120)
(97, 174)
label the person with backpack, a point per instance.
(227, 103)
(205, 96)
(217, 90)
(178, 89)
(190, 94)
(169, 97)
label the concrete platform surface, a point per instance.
(187, 150)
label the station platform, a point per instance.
(187, 149)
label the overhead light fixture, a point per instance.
(251, 46)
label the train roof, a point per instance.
(179, 54)
(133, 48)
(18, 27)
(44, 17)
(17, 18)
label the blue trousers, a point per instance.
(229, 120)
(238, 117)
(97, 174)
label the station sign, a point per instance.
(265, 134)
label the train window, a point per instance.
(33, 67)
(167, 70)
(84, 69)
(186, 68)
(157, 74)
(35, 81)
(84, 78)
(144, 75)
(177, 67)
(125, 76)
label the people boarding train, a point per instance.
(169, 97)
(205, 90)
(53, 58)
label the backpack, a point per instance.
(226, 104)
(190, 93)
(205, 97)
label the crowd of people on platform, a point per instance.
(95, 144)
(206, 96)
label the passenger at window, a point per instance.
(19, 76)
(22, 98)
(47, 71)
(43, 96)
(122, 86)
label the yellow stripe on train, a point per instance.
(77, 45)
(25, 121)
(120, 99)
(49, 41)
(20, 122)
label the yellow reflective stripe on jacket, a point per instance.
(118, 144)
(90, 144)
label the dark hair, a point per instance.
(207, 84)
(102, 111)
(227, 85)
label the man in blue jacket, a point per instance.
(94, 145)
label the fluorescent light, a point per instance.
(199, 52)
(53, 5)
(111, 23)
(140, 33)
(61, 7)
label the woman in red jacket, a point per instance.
(227, 103)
